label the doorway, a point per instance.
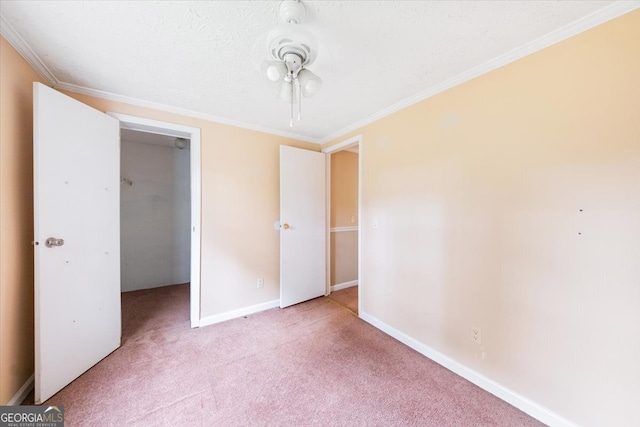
(344, 200)
(164, 131)
(154, 210)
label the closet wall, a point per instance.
(154, 212)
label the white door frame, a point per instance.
(354, 141)
(172, 129)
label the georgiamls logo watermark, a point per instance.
(31, 416)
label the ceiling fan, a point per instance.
(291, 49)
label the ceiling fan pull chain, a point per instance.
(299, 100)
(291, 117)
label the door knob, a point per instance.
(53, 242)
(286, 226)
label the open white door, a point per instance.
(77, 238)
(302, 225)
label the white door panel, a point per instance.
(77, 199)
(303, 225)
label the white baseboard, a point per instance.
(23, 392)
(210, 320)
(524, 404)
(344, 285)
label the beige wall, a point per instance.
(344, 213)
(16, 220)
(344, 257)
(344, 189)
(512, 203)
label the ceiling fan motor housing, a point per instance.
(291, 38)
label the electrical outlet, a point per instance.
(476, 335)
(261, 283)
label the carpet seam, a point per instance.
(344, 307)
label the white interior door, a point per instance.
(76, 199)
(302, 225)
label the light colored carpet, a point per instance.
(312, 364)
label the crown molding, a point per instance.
(177, 110)
(19, 44)
(594, 19)
(583, 24)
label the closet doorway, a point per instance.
(155, 210)
(343, 205)
(160, 209)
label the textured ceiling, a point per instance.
(204, 56)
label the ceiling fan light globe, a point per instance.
(309, 82)
(274, 70)
(273, 73)
(287, 92)
(312, 86)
